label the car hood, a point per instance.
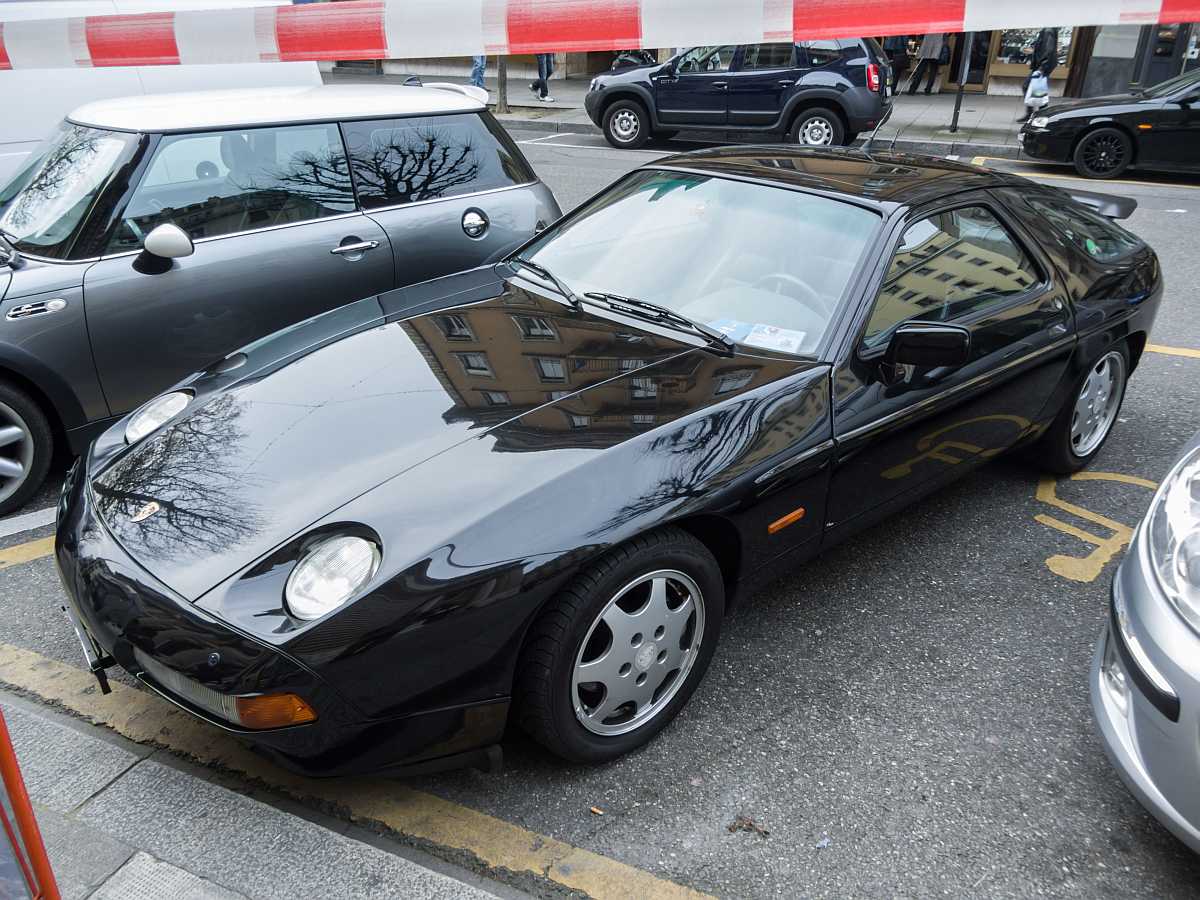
(1092, 104)
(251, 466)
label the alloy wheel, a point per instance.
(638, 652)
(1104, 153)
(1097, 404)
(626, 125)
(16, 451)
(816, 132)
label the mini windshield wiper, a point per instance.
(655, 313)
(545, 273)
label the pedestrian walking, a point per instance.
(478, 66)
(896, 48)
(934, 53)
(1043, 59)
(541, 87)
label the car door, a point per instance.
(451, 191)
(696, 90)
(903, 430)
(277, 238)
(1173, 140)
(762, 78)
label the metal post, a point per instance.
(962, 77)
(502, 85)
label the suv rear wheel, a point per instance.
(626, 125)
(26, 446)
(818, 127)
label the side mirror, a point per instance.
(929, 345)
(168, 241)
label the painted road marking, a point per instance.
(1088, 568)
(1174, 351)
(27, 522)
(27, 552)
(548, 137)
(148, 719)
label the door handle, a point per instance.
(721, 84)
(786, 82)
(359, 247)
(41, 308)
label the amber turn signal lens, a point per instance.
(274, 711)
(779, 524)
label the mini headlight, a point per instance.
(595, 85)
(1039, 121)
(155, 414)
(1173, 537)
(329, 574)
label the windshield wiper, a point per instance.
(545, 273)
(655, 313)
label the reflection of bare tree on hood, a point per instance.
(189, 470)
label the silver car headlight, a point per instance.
(595, 85)
(1039, 121)
(329, 575)
(1173, 537)
(155, 414)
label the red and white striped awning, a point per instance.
(375, 29)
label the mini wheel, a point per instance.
(26, 447)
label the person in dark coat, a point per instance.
(896, 48)
(933, 53)
(1044, 59)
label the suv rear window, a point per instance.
(1091, 233)
(397, 161)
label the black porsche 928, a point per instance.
(532, 492)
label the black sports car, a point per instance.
(1158, 128)
(532, 492)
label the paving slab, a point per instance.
(147, 878)
(82, 858)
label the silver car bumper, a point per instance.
(1151, 728)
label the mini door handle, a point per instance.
(786, 82)
(41, 308)
(360, 247)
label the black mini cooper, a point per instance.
(375, 538)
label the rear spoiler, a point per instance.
(1109, 205)
(467, 90)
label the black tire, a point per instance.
(1103, 153)
(1058, 451)
(544, 690)
(31, 451)
(818, 120)
(626, 125)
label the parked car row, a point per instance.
(307, 312)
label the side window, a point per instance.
(398, 161)
(767, 56)
(822, 53)
(947, 266)
(706, 59)
(229, 181)
(1090, 232)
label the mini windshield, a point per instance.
(765, 265)
(1173, 85)
(43, 206)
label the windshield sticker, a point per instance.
(770, 337)
(732, 328)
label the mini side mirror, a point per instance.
(929, 345)
(168, 241)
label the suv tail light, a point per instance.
(873, 76)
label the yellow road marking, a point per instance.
(1173, 351)
(148, 719)
(27, 552)
(979, 160)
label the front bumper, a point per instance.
(1041, 143)
(1157, 758)
(592, 104)
(187, 655)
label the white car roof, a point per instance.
(204, 110)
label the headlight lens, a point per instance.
(1173, 537)
(595, 85)
(329, 575)
(1039, 121)
(155, 414)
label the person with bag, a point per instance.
(1042, 61)
(934, 53)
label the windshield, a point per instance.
(765, 265)
(1171, 85)
(42, 207)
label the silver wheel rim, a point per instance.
(816, 132)
(1097, 404)
(626, 125)
(16, 451)
(638, 652)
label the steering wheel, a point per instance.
(807, 295)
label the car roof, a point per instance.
(202, 110)
(876, 177)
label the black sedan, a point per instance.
(374, 539)
(1157, 128)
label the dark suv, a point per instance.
(815, 92)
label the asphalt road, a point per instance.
(907, 715)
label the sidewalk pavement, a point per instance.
(125, 822)
(987, 123)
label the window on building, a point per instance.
(550, 368)
(535, 328)
(728, 382)
(455, 327)
(557, 395)
(642, 419)
(475, 363)
(930, 245)
(643, 388)
(578, 421)
(496, 398)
